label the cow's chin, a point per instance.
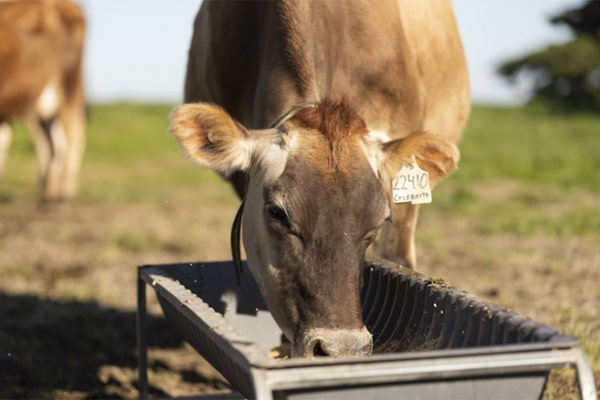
(325, 342)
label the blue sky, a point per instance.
(137, 49)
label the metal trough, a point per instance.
(431, 341)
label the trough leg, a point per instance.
(142, 339)
(585, 376)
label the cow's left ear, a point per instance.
(211, 138)
(434, 154)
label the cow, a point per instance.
(312, 109)
(41, 80)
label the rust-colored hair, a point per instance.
(335, 120)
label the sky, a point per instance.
(136, 50)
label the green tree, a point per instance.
(566, 75)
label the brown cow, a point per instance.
(41, 47)
(364, 80)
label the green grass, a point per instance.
(131, 151)
(538, 171)
(532, 145)
(127, 133)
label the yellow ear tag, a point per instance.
(411, 185)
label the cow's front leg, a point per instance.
(396, 241)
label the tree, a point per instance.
(566, 75)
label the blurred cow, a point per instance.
(41, 47)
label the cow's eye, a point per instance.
(369, 237)
(277, 213)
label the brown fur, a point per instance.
(401, 61)
(334, 120)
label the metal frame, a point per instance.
(269, 376)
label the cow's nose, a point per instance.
(339, 343)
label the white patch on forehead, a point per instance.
(272, 149)
(372, 148)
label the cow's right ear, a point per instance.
(211, 138)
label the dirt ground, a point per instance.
(68, 291)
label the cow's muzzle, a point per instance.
(334, 343)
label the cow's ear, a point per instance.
(211, 138)
(434, 154)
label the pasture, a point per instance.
(518, 224)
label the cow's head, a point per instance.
(318, 194)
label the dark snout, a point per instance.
(334, 343)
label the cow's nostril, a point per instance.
(337, 343)
(317, 350)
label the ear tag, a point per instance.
(411, 185)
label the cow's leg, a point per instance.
(55, 173)
(75, 130)
(45, 108)
(397, 240)
(41, 145)
(50, 144)
(5, 140)
(48, 132)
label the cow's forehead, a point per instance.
(331, 159)
(331, 177)
(333, 120)
(329, 138)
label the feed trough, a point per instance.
(431, 341)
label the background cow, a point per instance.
(41, 46)
(359, 84)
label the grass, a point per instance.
(532, 145)
(125, 133)
(529, 162)
(137, 137)
(525, 211)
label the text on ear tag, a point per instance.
(411, 185)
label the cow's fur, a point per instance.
(41, 48)
(318, 186)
